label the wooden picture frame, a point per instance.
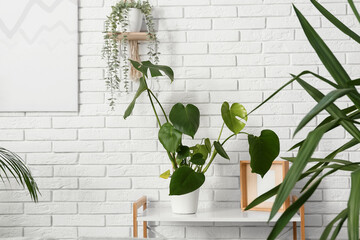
(252, 185)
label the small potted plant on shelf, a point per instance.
(190, 163)
(125, 19)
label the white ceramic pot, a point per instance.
(185, 204)
(135, 20)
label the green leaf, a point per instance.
(332, 109)
(155, 68)
(322, 104)
(183, 152)
(305, 152)
(338, 228)
(343, 214)
(231, 114)
(198, 159)
(329, 60)
(291, 81)
(263, 151)
(352, 5)
(199, 148)
(219, 148)
(185, 180)
(165, 175)
(138, 66)
(342, 27)
(262, 198)
(11, 163)
(208, 145)
(290, 211)
(354, 206)
(169, 137)
(185, 119)
(146, 66)
(141, 89)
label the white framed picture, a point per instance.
(39, 55)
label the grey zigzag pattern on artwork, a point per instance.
(43, 29)
(11, 32)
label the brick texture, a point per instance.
(92, 164)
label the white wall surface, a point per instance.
(92, 164)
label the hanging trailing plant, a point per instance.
(115, 52)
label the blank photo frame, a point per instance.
(253, 186)
(39, 55)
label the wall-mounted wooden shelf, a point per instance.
(137, 36)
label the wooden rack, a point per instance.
(133, 36)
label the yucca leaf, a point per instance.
(334, 111)
(305, 152)
(322, 50)
(263, 197)
(342, 27)
(343, 214)
(291, 211)
(332, 155)
(329, 60)
(292, 80)
(322, 104)
(272, 192)
(338, 228)
(355, 82)
(352, 5)
(323, 160)
(354, 206)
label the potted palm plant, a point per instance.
(11, 165)
(317, 169)
(190, 163)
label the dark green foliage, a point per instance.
(345, 118)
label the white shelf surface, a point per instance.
(209, 215)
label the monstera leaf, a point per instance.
(141, 89)
(185, 180)
(155, 70)
(231, 114)
(185, 119)
(169, 137)
(263, 151)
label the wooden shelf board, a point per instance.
(139, 36)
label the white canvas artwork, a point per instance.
(38, 55)
(265, 184)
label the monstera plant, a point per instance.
(346, 118)
(190, 163)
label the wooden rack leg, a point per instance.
(141, 202)
(302, 223)
(294, 231)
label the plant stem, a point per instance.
(215, 152)
(162, 109)
(171, 157)
(153, 107)
(222, 128)
(211, 160)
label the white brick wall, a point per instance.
(91, 165)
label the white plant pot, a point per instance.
(135, 20)
(185, 204)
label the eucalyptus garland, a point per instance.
(115, 52)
